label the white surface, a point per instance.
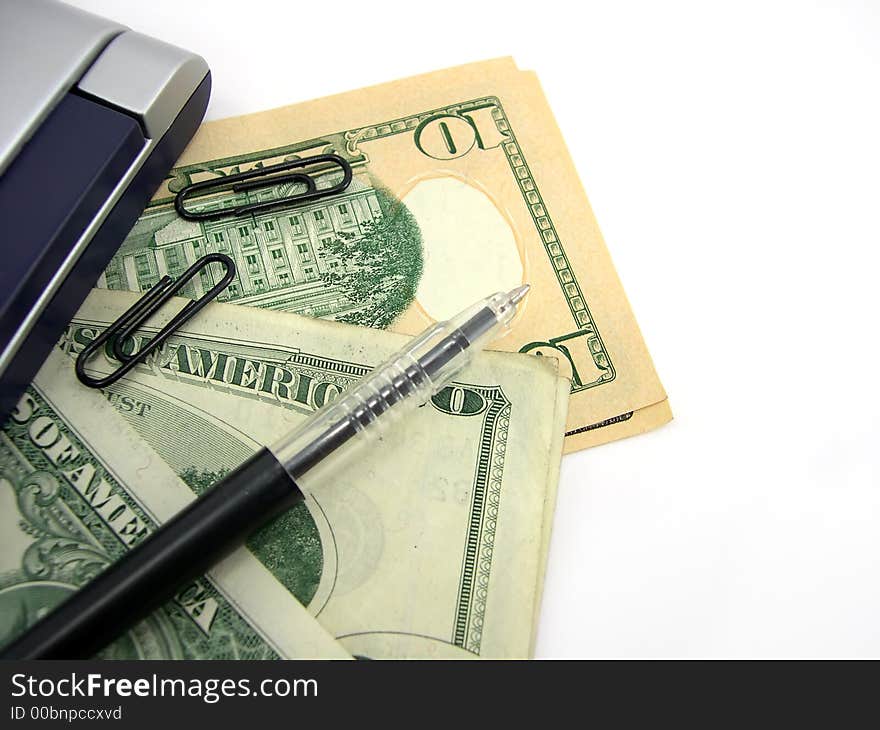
(732, 156)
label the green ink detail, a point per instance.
(578, 348)
(457, 401)
(602, 424)
(355, 257)
(435, 138)
(73, 542)
(289, 546)
(381, 267)
(522, 174)
(477, 562)
(447, 136)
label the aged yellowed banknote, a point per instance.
(462, 186)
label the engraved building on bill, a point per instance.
(279, 254)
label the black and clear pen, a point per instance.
(267, 484)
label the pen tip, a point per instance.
(517, 294)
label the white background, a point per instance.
(732, 155)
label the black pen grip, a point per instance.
(148, 575)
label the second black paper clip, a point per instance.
(144, 308)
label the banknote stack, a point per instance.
(434, 541)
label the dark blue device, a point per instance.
(93, 117)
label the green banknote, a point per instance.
(78, 488)
(431, 542)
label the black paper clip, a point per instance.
(142, 310)
(264, 177)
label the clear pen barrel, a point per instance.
(402, 384)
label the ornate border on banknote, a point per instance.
(477, 563)
(347, 143)
(85, 521)
(568, 283)
(488, 475)
(486, 497)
